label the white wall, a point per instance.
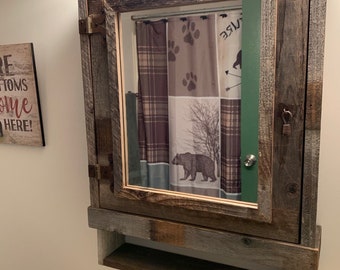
(44, 191)
(329, 184)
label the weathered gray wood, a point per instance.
(89, 102)
(313, 120)
(292, 32)
(132, 5)
(98, 125)
(266, 106)
(261, 212)
(284, 225)
(108, 242)
(101, 98)
(131, 257)
(94, 65)
(237, 249)
(292, 38)
(288, 53)
(115, 107)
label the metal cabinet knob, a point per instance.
(249, 161)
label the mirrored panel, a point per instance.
(190, 85)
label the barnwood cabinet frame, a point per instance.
(281, 232)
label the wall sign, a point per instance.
(20, 115)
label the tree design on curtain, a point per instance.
(189, 105)
(205, 131)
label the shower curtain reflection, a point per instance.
(153, 127)
(189, 104)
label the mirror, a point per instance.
(259, 24)
(183, 99)
(190, 84)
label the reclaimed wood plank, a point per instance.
(266, 105)
(89, 104)
(238, 250)
(285, 224)
(287, 186)
(313, 120)
(134, 5)
(292, 38)
(98, 124)
(149, 202)
(115, 100)
(108, 242)
(101, 96)
(132, 257)
(261, 211)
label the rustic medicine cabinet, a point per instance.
(193, 164)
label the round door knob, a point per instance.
(249, 161)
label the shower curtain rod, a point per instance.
(183, 13)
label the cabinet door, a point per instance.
(276, 214)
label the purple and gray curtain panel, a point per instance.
(189, 103)
(153, 124)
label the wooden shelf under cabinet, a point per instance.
(133, 257)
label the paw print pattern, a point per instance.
(173, 50)
(190, 81)
(190, 32)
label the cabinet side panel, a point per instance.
(313, 119)
(291, 65)
(85, 44)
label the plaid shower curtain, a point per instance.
(229, 29)
(153, 126)
(189, 103)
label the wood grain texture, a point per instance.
(313, 120)
(89, 102)
(283, 68)
(98, 117)
(131, 257)
(87, 86)
(238, 250)
(261, 212)
(115, 98)
(100, 84)
(292, 38)
(101, 97)
(108, 242)
(291, 31)
(266, 106)
(285, 224)
(173, 233)
(133, 5)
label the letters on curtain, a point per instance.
(189, 103)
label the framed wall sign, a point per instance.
(20, 114)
